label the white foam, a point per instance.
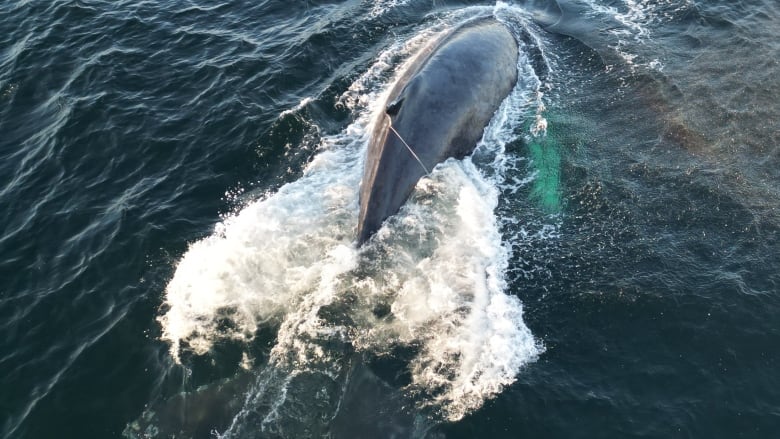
(301, 105)
(379, 7)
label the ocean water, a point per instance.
(178, 205)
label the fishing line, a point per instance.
(410, 149)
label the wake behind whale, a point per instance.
(427, 293)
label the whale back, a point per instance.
(438, 108)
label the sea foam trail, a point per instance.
(437, 269)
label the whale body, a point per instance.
(437, 109)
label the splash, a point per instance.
(259, 263)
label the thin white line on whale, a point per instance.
(409, 148)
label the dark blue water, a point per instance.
(178, 192)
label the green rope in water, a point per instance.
(545, 154)
(546, 160)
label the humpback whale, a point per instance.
(437, 109)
